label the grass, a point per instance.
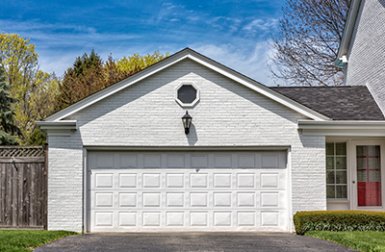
(368, 241)
(27, 240)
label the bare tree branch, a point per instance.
(310, 33)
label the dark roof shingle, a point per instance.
(338, 103)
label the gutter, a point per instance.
(342, 128)
(343, 50)
(57, 125)
(341, 124)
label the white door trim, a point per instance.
(353, 173)
(87, 198)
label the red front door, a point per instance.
(369, 175)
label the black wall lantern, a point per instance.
(186, 119)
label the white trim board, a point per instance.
(188, 53)
(342, 128)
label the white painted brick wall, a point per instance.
(146, 114)
(65, 183)
(366, 59)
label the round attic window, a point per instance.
(187, 95)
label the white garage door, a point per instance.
(138, 191)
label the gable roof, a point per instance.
(348, 32)
(188, 53)
(338, 103)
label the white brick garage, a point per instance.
(229, 117)
(201, 191)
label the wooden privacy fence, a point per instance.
(23, 187)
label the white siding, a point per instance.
(146, 114)
(366, 59)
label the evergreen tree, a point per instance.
(8, 129)
(85, 77)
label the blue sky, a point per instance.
(236, 33)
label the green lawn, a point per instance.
(362, 241)
(27, 240)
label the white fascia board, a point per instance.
(342, 128)
(194, 56)
(57, 125)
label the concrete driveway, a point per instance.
(204, 242)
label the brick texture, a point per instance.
(147, 114)
(366, 59)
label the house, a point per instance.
(128, 158)
(362, 50)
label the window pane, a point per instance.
(361, 164)
(187, 93)
(329, 148)
(341, 192)
(374, 163)
(341, 177)
(361, 175)
(374, 176)
(330, 192)
(373, 150)
(330, 177)
(340, 148)
(360, 151)
(341, 163)
(330, 163)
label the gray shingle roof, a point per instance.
(338, 103)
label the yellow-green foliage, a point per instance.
(348, 220)
(35, 91)
(134, 63)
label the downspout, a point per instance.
(342, 57)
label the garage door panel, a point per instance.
(175, 180)
(103, 180)
(127, 180)
(128, 160)
(152, 161)
(245, 180)
(222, 199)
(127, 219)
(175, 160)
(127, 199)
(175, 219)
(151, 180)
(199, 180)
(222, 161)
(208, 196)
(199, 160)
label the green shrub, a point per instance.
(348, 220)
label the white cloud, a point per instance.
(260, 24)
(58, 50)
(61, 35)
(253, 62)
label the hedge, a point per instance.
(348, 220)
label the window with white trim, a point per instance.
(187, 95)
(336, 170)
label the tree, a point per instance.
(41, 104)
(33, 89)
(306, 49)
(85, 77)
(112, 73)
(8, 129)
(89, 74)
(134, 63)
